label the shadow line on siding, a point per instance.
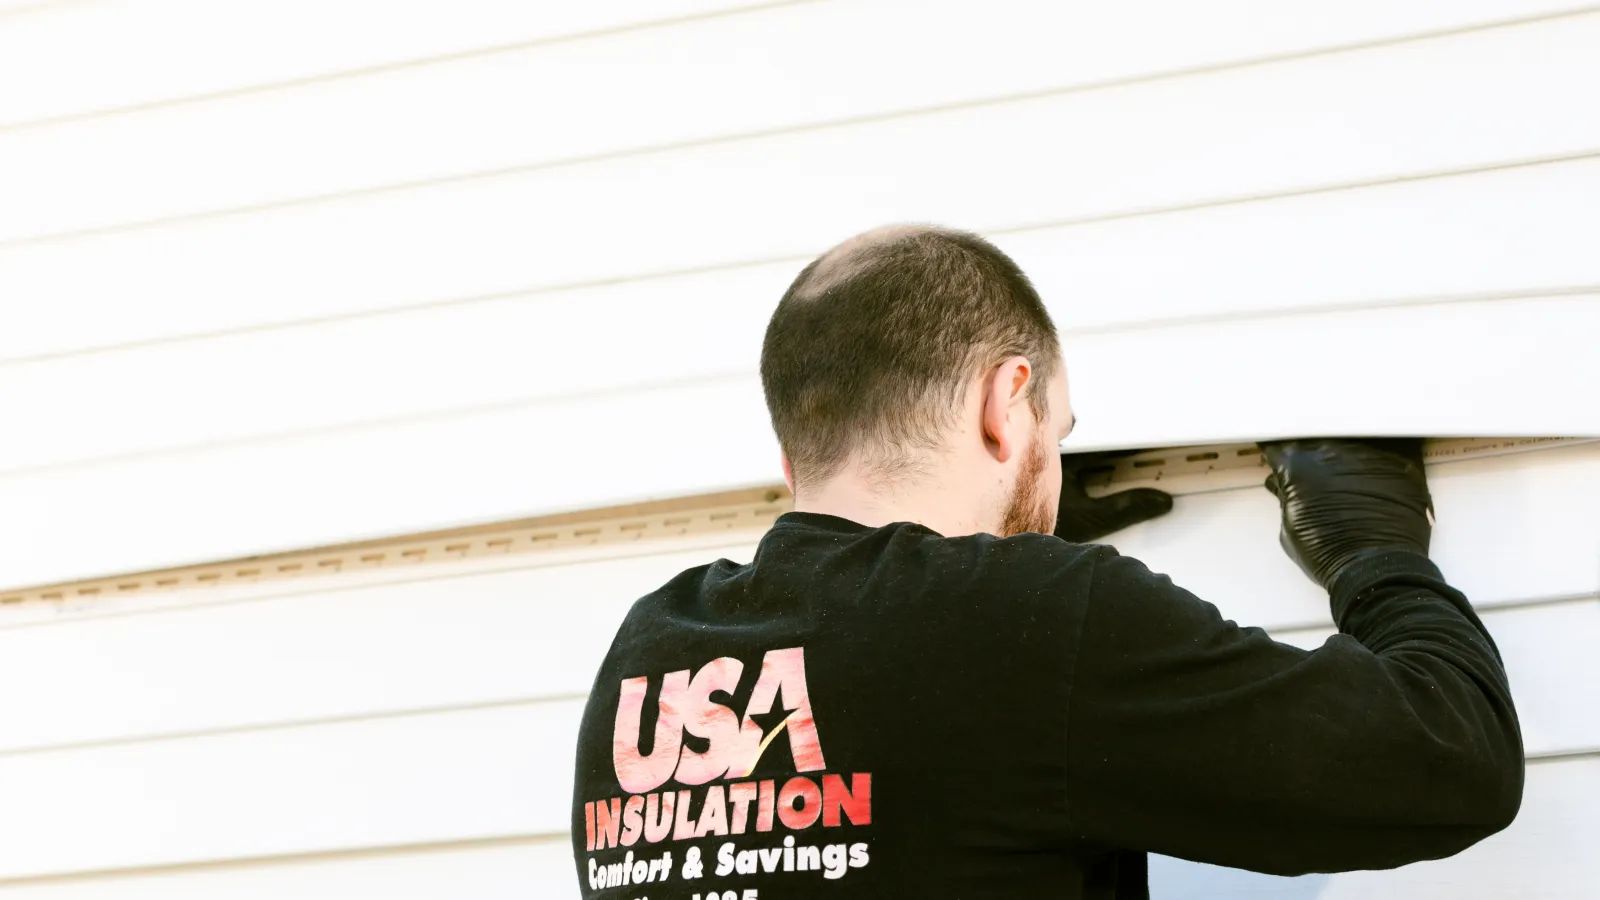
(316, 856)
(504, 703)
(1490, 606)
(415, 63)
(538, 291)
(734, 137)
(625, 153)
(292, 724)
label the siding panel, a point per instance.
(162, 50)
(1125, 292)
(497, 772)
(1543, 856)
(1490, 95)
(513, 870)
(327, 652)
(490, 772)
(1220, 137)
(1142, 389)
(106, 688)
(187, 754)
(1513, 530)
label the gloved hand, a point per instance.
(1343, 496)
(1082, 519)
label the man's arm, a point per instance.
(1394, 742)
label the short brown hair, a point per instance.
(872, 347)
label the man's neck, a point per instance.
(847, 497)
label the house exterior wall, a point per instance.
(294, 274)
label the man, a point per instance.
(928, 683)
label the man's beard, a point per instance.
(1028, 509)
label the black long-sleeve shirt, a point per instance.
(884, 712)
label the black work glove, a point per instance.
(1342, 497)
(1082, 519)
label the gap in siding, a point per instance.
(728, 511)
(1199, 470)
(1177, 470)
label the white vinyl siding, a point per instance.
(1233, 203)
(425, 714)
(277, 276)
(659, 98)
(86, 58)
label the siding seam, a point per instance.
(529, 702)
(290, 84)
(531, 839)
(292, 724)
(1358, 46)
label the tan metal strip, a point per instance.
(1198, 470)
(734, 510)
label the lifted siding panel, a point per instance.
(1459, 369)
(1134, 298)
(1511, 530)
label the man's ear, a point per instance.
(788, 473)
(1003, 388)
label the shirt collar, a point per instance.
(831, 523)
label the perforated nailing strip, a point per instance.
(751, 510)
(1194, 470)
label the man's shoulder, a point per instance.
(984, 578)
(897, 570)
(1027, 558)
